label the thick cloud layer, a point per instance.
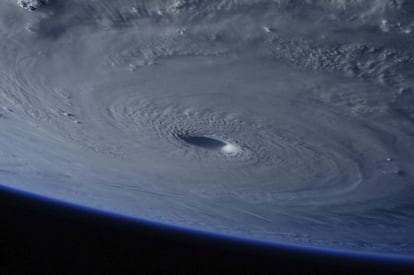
(287, 121)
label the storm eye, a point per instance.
(204, 142)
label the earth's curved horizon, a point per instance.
(283, 121)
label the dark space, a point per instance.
(46, 237)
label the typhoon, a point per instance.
(276, 120)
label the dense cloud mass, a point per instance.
(284, 120)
